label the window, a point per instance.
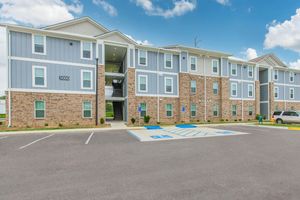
(250, 110)
(168, 61)
(87, 109)
(233, 110)
(276, 92)
(234, 89)
(168, 85)
(193, 63)
(39, 109)
(275, 75)
(86, 50)
(292, 93)
(215, 88)
(250, 90)
(142, 57)
(39, 44)
(86, 79)
(292, 77)
(143, 83)
(216, 110)
(193, 86)
(143, 109)
(169, 110)
(39, 76)
(233, 69)
(193, 110)
(250, 71)
(215, 66)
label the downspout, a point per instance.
(284, 99)
(205, 110)
(242, 91)
(97, 99)
(157, 87)
(9, 79)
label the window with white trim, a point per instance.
(39, 44)
(143, 57)
(168, 61)
(276, 92)
(233, 69)
(250, 71)
(169, 110)
(86, 79)
(233, 110)
(193, 110)
(292, 93)
(233, 89)
(292, 77)
(250, 90)
(215, 88)
(250, 110)
(86, 50)
(193, 86)
(39, 109)
(168, 85)
(39, 76)
(216, 110)
(276, 75)
(87, 109)
(193, 63)
(215, 67)
(143, 107)
(143, 83)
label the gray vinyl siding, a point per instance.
(263, 76)
(131, 58)
(264, 109)
(245, 90)
(21, 72)
(184, 61)
(225, 67)
(280, 77)
(100, 52)
(239, 91)
(296, 93)
(151, 62)
(152, 83)
(242, 88)
(162, 84)
(57, 49)
(264, 93)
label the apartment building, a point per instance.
(70, 73)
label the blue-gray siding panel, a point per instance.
(264, 76)
(246, 91)
(151, 62)
(131, 58)
(239, 91)
(264, 93)
(100, 52)
(57, 49)
(22, 76)
(264, 109)
(184, 62)
(162, 84)
(225, 67)
(152, 83)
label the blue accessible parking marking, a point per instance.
(161, 136)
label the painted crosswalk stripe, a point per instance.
(35, 141)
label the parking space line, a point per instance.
(89, 138)
(3, 137)
(35, 141)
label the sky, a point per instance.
(244, 28)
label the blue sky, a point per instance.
(241, 27)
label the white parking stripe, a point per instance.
(3, 137)
(35, 141)
(89, 138)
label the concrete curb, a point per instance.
(264, 126)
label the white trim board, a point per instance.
(50, 91)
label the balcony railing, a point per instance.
(111, 92)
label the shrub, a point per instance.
(28, 126)
(264, 117)
(226, 120)
(3, 116)
(235, 120)
(222, 120)
(159, 122)
(46, 124)
(77, 124)
(249, 119)
(1, 123)
(208, 121)
(147, 119)
(240, 120)
(60, 125)
(132, 120)
(102, 121)
(198, 120)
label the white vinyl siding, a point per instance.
(39, 44)
(86, 50)
(86, 79)
(143, 83)
(39, 76)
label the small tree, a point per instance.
(102, 121)
(132, 120)
(147, 119)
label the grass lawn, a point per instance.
(282, 125)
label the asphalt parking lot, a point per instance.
(114, 165)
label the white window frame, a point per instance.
(292, 89)
(139, 81)
(139, 56)
(236, 108)
(231, 90)
(276, 88)
(193, 110)
(193, 81)
(196, 63)
(252, 70)
(81, 50)
(212, 66)
(33, 45)
(171, 110)
(35, 109)
(292, 74)
(252, 110)
(215, 82)
(33, 76)
(217, 109)
(172, 84)
(165, 57)
(91, 109)
(250, 86)
(141, 109)
(233, 65)
(276, 74)
(82, 86)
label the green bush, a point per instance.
(257, 116)
(102, 121)
(60, 125)
(2, 116)
(132, 120)
(46, 124)
(222, 120)
(158, 122)
(208, 121)
(147, 119)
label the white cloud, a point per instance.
(295, 65)
(38, 12)
(224, 2)
(142, 42)
(110, 9)
(250, 54)
(180, 7)
(285, 34)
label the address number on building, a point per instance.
(64, 78)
